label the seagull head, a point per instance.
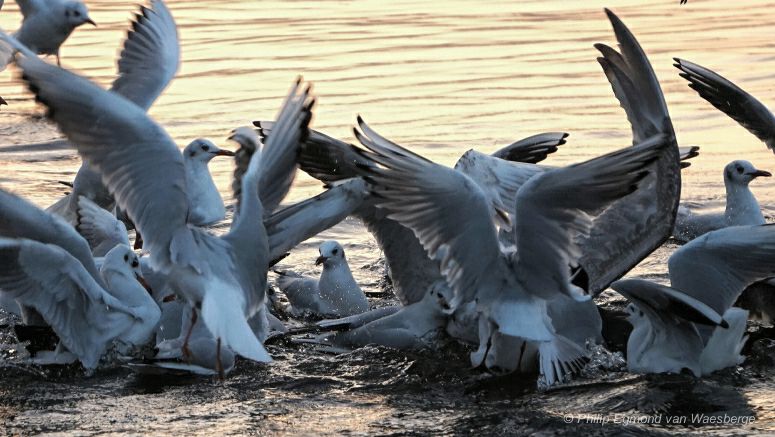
(742, 172)
(204, 150)
(124, 260)
(331, 254)
(76, 14)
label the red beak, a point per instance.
(90, 21)
(758, 173)
(321, 259)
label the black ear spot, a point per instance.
(126, 257)
(67, 13)
(192, 153)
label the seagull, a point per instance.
(46, 24)
(621, 236)
(742, 208)
(335, 294)
(86, 317)
(707, 276)
(49, 270)
(223, 278)
(148, 61)
(206, 204)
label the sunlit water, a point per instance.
(438, 77)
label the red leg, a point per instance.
(186, 350)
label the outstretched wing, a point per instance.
(139, 162)
(731, 100)
(445, 209)
(499, 180)
(663, 303)
(293, 224)
(642, 221)
(280, 153)
(323, 157)
(716, 267)
(533, 149)
(49, 279)
(150, 57)
(553, 210)
(21, 219)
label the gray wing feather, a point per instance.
(45, 277)
(293, 224)
(139, 163)
(716, 267)
(731, 100)
(21, 219)
(280, 153)
(553, 209)
(323, 157)
(150, 57)
(416, 193)
(662, 302)
(633, 227)
(533, 149)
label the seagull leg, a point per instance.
(185, 349)
(218, 363)
(59, 63)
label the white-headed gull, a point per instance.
(335, 294)
(206, 204)
(86, 317)
(742, 208)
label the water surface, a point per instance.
(440, 78)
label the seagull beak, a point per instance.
(145, 285)
(321, 259)
(90, 21)
(2, 101)
(758, 173)
(224, 153)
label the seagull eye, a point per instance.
(205, 148)
(77, 14)
(335, 251)
(739, 169)
(135, 263)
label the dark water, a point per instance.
(439, 77)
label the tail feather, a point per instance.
(724, 346)
(227, 322)
(523, 319)
(559, 359)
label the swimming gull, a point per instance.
(335, 294)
